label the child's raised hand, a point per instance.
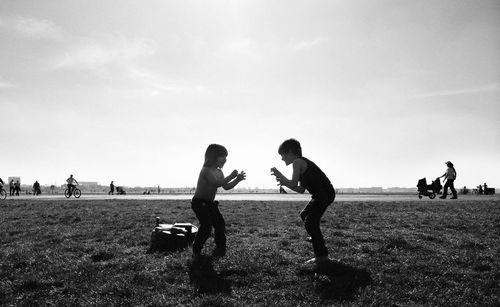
(234, 174)
(241, 176)
(275, 172)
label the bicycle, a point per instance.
(76, 192)
(3, 193)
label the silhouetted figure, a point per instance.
(450, 175)
(204, 205)
(17, 187)
(71, 184)
(111, 188)
(308, 176)
(480, 189)
(12, 187)
(36, 188)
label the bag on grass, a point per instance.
(171, 237)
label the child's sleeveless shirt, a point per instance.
(316, 182)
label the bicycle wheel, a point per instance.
(66, 193)
(77, 193)
(3, 194)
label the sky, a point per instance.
(379, 93)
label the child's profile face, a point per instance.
(221, 161)
(288, 158)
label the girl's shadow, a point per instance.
(204, 278)
(338, 281)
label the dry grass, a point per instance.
(95, 252)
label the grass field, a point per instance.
(95, 252)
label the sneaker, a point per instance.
(454, 197)
(442, 197)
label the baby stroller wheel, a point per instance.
(432, 195)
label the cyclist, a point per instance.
(71, 183)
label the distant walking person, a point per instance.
(71, 184)
(204, 204)
(11, 187)
(111, 188)
(450, 175)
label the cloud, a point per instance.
(308, 44)
(487, 88)
(93, 56)
(32, 27)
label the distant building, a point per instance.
(90, 184)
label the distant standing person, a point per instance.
(36, 188)
(71, 183)
(308, 176)
(17, 187)
(203, 203)
(11, 187)
(450, 175)
(111, 188)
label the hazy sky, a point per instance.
(379, 93)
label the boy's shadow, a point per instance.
(204, 277)
(338, 281)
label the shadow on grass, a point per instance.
(338, 281)
(204, 278)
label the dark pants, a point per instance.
(311, 216)
(71, 187)
(209, 216)
(449, 183)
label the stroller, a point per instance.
(428, 190)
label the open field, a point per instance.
(401, 253)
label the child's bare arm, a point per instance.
(240, 177)
(293, 184)
(214, 180)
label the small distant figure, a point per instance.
(480, 189)
(17, 187)
(12, 187)
(71, 184)
(158, 189)
(485, 187)
(204, 204)
(36, 188)
(111, 188)
(450, 175)
(308, 176)
(465, 190)
(282, 191)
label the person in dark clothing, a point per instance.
(308, 176)
(36, 188)
(111, 188)
(17, 187)
(450, 175)
(12, 187)
(203, 203)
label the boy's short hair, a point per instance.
(290, 145)
(213, 152)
